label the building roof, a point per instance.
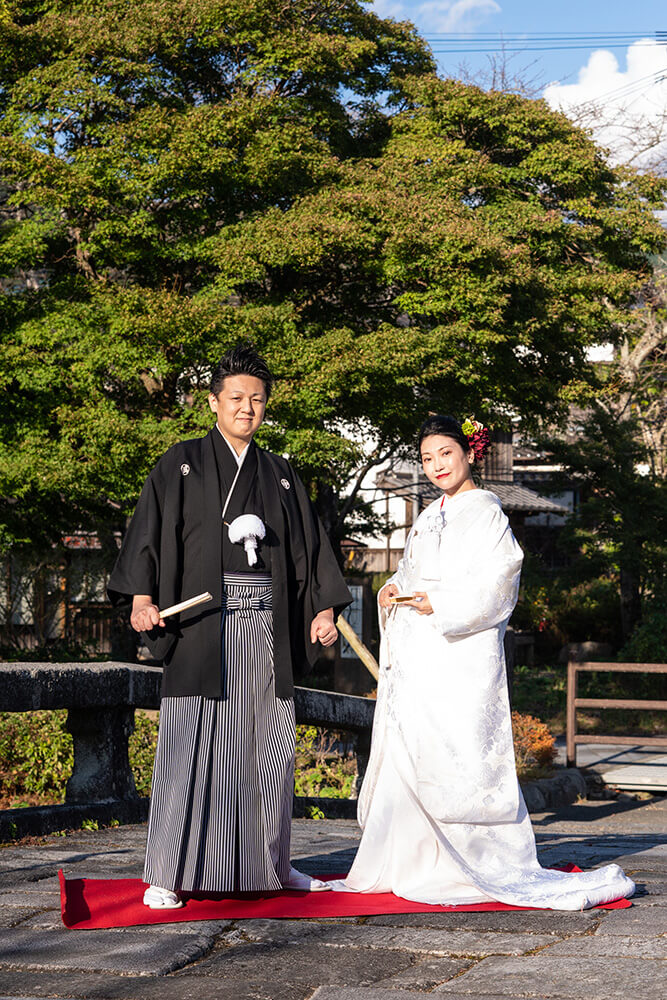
(519, 498)
(512, 496)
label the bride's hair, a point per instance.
(437, 423)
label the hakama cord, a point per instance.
(443, 817)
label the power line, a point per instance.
(538, 48)
(455, 43)
(467, 35)
(633, 86)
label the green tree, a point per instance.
(179, 175)
(620, 525)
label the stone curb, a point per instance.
(37, 821)
(564, 788)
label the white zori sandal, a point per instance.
(297, 880)
(161, 899)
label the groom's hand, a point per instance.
(145, 615)
(322, 628)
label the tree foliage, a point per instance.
(620, 525)
(180, 175)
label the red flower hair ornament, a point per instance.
(478, 436)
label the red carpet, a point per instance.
(92, 903)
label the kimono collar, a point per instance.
(237, 458)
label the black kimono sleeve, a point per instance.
(137, 569)
(321, 583)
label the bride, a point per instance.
(441, 810)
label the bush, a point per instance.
(142, 744)
(648, 642)
(320, 769)
(36, 755)
(558, 612)
(590, 610)
(534, 748)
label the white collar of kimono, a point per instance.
(239, 458)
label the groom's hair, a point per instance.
(241, 360)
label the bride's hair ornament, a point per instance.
(478, 437)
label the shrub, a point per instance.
(141, 746)
(320, 769)
(36, 754)
(648, 642)
(534, 748)
(567, 608)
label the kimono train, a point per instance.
(443, 817)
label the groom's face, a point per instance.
(239, 406)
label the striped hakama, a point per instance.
(223, 779)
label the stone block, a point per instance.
(564, 977)
(279, 932)
(564, 787)
(308, 963)
(611, 946)
(39, 899)
(51, 920)
(11, 916)
(35, 821)
(336, 711)
(426, 974)
(377, 993)
(25, 687)
(101, 763)
(648, 884)
(636, 922)
(510, 921)
(583, 651)
(128, 952)
(428, 941)
(89, 986)
(534, 797)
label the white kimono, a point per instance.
(443, 817)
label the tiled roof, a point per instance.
(520, 498)
(512, 496)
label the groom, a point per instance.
(223, 777)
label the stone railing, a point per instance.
(100, 699)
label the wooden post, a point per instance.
(362, 652)
(571, 714)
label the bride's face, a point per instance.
(446, 464)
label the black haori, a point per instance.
(224, 768)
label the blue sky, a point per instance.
(512, 16)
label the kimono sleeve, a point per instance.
(483, 593)
(137, 566)
(320, 578)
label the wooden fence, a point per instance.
(574, 702)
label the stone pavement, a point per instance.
(597, 955)
(631, 767)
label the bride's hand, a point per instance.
(420, 603)
(389, 590)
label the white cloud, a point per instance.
(625, 109)
(390, 8)
(455, 15)
(439, 15)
